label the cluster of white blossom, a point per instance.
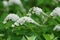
(22, 20)
(57, 28)
(18, 2)
(12, 17)
(56, 12)
(11, 2)
(36, 10)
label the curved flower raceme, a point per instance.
(56, 12)
(57, 28)
(35, 10)
(22, 20)
(12, 17)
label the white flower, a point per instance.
(5, 3)
(11, 2)
(29, 14)
(57, 28)
(35, 10)
(22, 20)
(18, 2)
(12, 17)
(56, 12)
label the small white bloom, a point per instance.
(30, 9)
(5, 3)
(13, 25)
(18, 2)
(57, 28)
(29, 14)
(12, 17)
(22, 20)
(11, 2)
(56, 12)
(35, 10)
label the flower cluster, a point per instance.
(57, 28)
(56, 12)
(35, 10)
(18, 20)
(11, 2)
(22, 20)
(18, 2)
(12, 17)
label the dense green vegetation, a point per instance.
(30, 31)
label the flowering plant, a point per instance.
(29, 20)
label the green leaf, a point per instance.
(48, 36)
(31, 38)
(1, 35)
(23, 38)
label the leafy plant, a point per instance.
(30, 31)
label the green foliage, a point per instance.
(29, 31)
